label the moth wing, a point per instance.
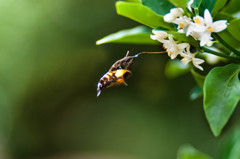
(123, 73)
(118, 82)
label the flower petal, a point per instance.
(219, 25)
(189, 30)
(172, 42)
(207, 17)
(205, 38)
(174, 55)
(199, 67)
(188, 56)
(198, 61)
(199, 28)
(182, 46)
(186, 60)
(153, 37)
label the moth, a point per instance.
(117, 73)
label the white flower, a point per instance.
(209, 27)
(183, 23)
(173, 49)
(188, 56)
(159, 35)
(174, 13)
(198, 20)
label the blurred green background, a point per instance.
(49, 68)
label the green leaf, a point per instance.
(196, 4)
(198, 78)
(224, 16)
(226, 35)
(137, 35)
(178, 3)
(160, 7)
(136, 1)
(196, 92)
(188, 152)
(175, 68)
(221, 95)
(231, 7)
(207, 4)
(142, 14)
(234, 28)
(187, 39)
(218, 5)
(230, 145)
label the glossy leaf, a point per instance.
(179, 3)
(208, 4)
(221, 95)
(230, 145)
(234, 28)
(198, 78)
(187, 39)
(188, 152)
(142, 14)
(196, 92)
(231, 7)
(175, 68)
(226, 35)
(160, 7)
(137, 35)
(196, 3)
(136, 1)
(218, 5)
(223, 16)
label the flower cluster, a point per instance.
(198, 27)
(174, 49)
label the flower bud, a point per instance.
(160, 33)
(209, 43)
(212, 59)
(169, 18)
(176, 12)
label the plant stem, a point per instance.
(237, 59)
(216, 36)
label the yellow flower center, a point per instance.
(171, 52)
(210, 29)
(183, 60)
(197, 20)
(181, 25)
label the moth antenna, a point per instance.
(127, 53)
(149, 53)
